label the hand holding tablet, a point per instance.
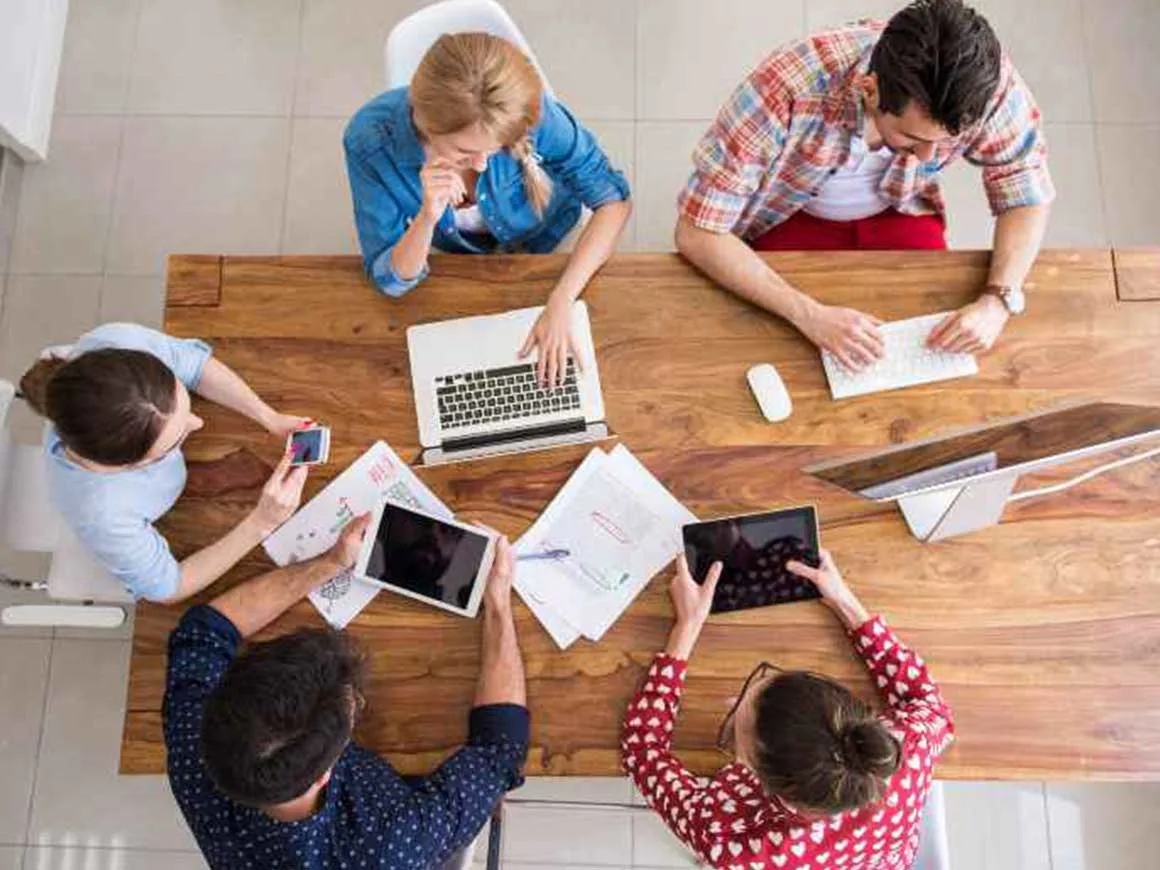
(441, 562)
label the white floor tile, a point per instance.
(692, 54)
(598, 837)
(664, 163)
(42, 310)
(341, 63)
(93, 857)
(1077, 215)
(970, 223)
(133, 298)
(997, 826)
(1130, 173)
(654, 845)
(215, 57)
(587, 51)
(319, 215)
(583, 789)
(80, 798)
(23, 679)
(618, 139)
(197, 185)
(1121, 43)
(66, 201)
(97, 56)
(1104, 826)
(11, 857)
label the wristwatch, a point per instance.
(1011, 297)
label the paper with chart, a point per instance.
(622, 527)
(376, 475)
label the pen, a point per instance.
(544, 555)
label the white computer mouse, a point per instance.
(771, 394)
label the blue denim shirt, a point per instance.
(384, 156)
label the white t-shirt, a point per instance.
(469, 219)
(852, 193)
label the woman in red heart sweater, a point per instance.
(818, 781)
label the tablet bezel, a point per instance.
(797, 509)
(481, 576)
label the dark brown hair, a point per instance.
(108, 405)
(282, 715)
(819, 747)
(941, 54)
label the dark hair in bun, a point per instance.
(819, 747)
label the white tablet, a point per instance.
(440, 562)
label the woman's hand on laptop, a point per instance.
(835, 593)
(552, 334)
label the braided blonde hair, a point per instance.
(468, 79)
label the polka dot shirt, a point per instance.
(732, 824)
(371, 818)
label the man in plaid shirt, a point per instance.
(836, 142)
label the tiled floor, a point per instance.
(215, 126)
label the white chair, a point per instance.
(29, 522)
(411, 37)
(933, 846)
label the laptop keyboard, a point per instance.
(498, 395)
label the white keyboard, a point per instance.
(907, 361)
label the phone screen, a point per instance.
(307, 446)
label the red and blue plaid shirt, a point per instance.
(789, 125)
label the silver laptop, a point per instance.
(475, 397)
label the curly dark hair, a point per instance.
(282, 715)
(941, 54)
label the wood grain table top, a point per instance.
(1044, 631)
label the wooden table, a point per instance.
(1044, 631)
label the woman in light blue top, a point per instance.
(120, 409)
(475, 157)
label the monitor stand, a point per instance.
(945, 513)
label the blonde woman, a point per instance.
(474, 158)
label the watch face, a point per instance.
(1014, 299)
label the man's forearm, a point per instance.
(735, 266)
(223, 386)
(501, 677)
(254, 604)
(1018, 237)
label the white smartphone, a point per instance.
(310, 446)
(441, 562)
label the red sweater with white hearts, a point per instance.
(732, 824)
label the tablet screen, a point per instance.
(754, 550)
(425, 556)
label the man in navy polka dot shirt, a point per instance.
(260, 753)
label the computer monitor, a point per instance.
(958, 483)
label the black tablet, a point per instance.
(754, 549)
